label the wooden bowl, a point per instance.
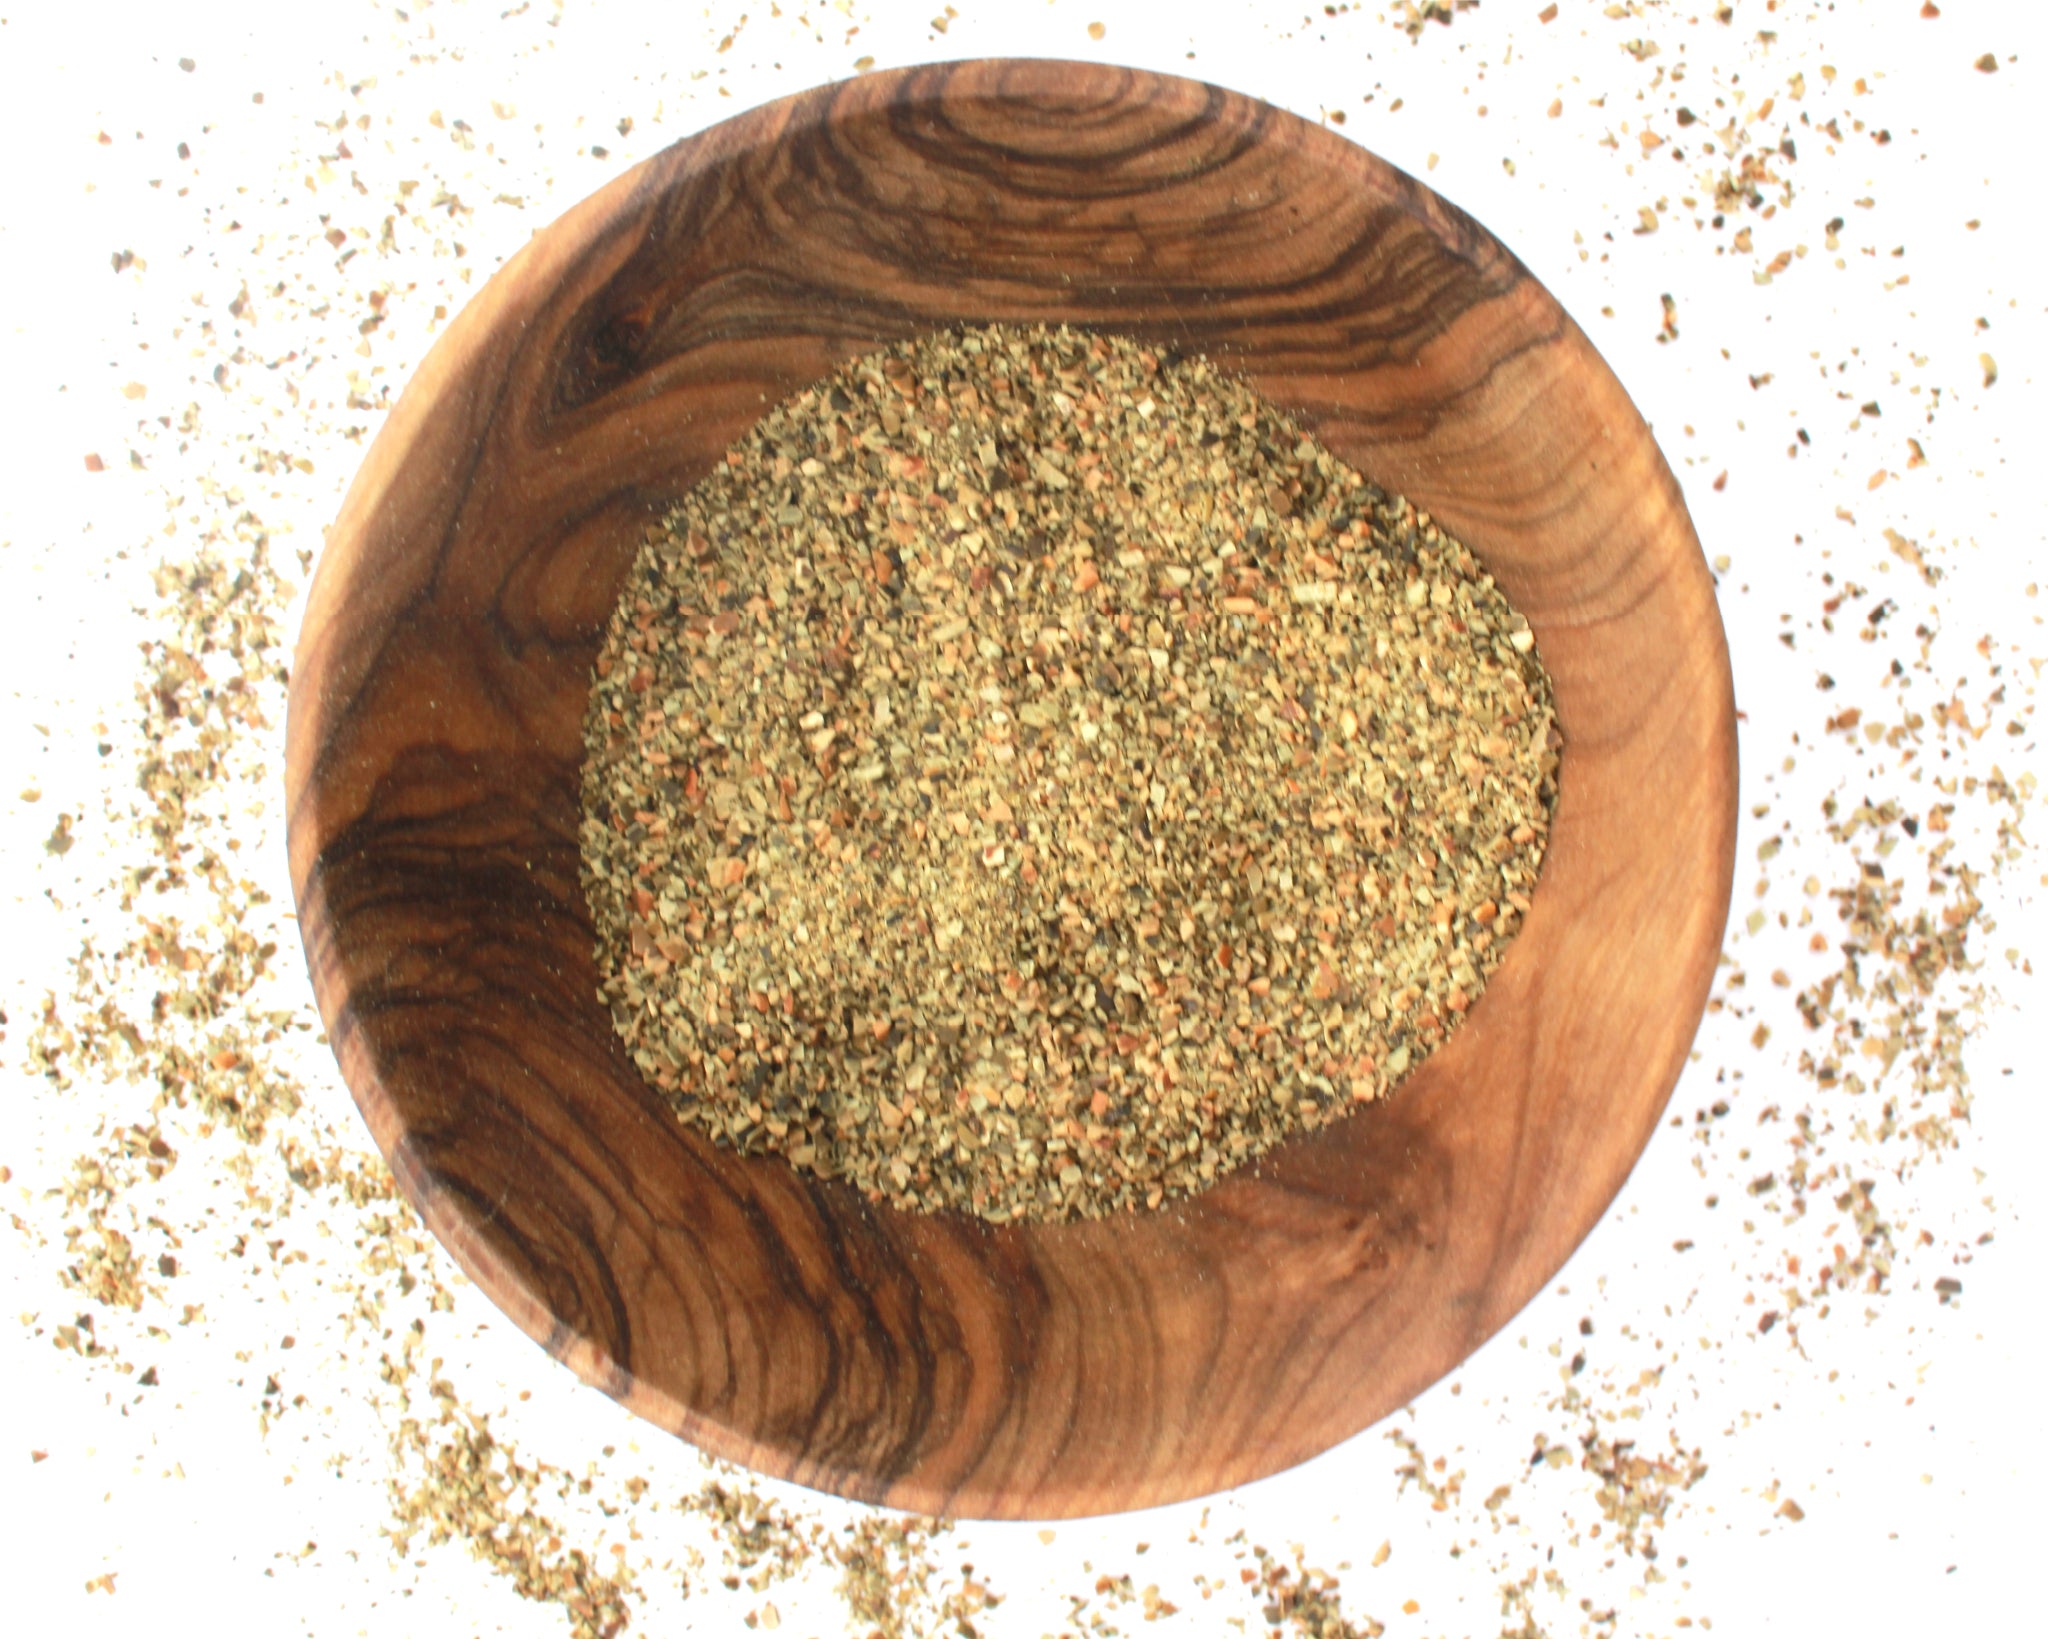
(936, 1362)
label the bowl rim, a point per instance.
(1022, 1460)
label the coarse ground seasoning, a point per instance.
(1031, 777)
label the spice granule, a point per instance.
(1030, 776)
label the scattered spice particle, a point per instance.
(1876, 1012)
(1030, 777)
(1419, 1471)
(473, 1491)
(1304, 1601)
(894, 1588)
(1636, 1491)
(1414, 16)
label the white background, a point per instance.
(1906, 1430)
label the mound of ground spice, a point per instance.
(1030, 777)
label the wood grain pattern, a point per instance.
(936, 1362)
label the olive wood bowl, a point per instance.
(936, 1362)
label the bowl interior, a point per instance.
(937, 1362)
